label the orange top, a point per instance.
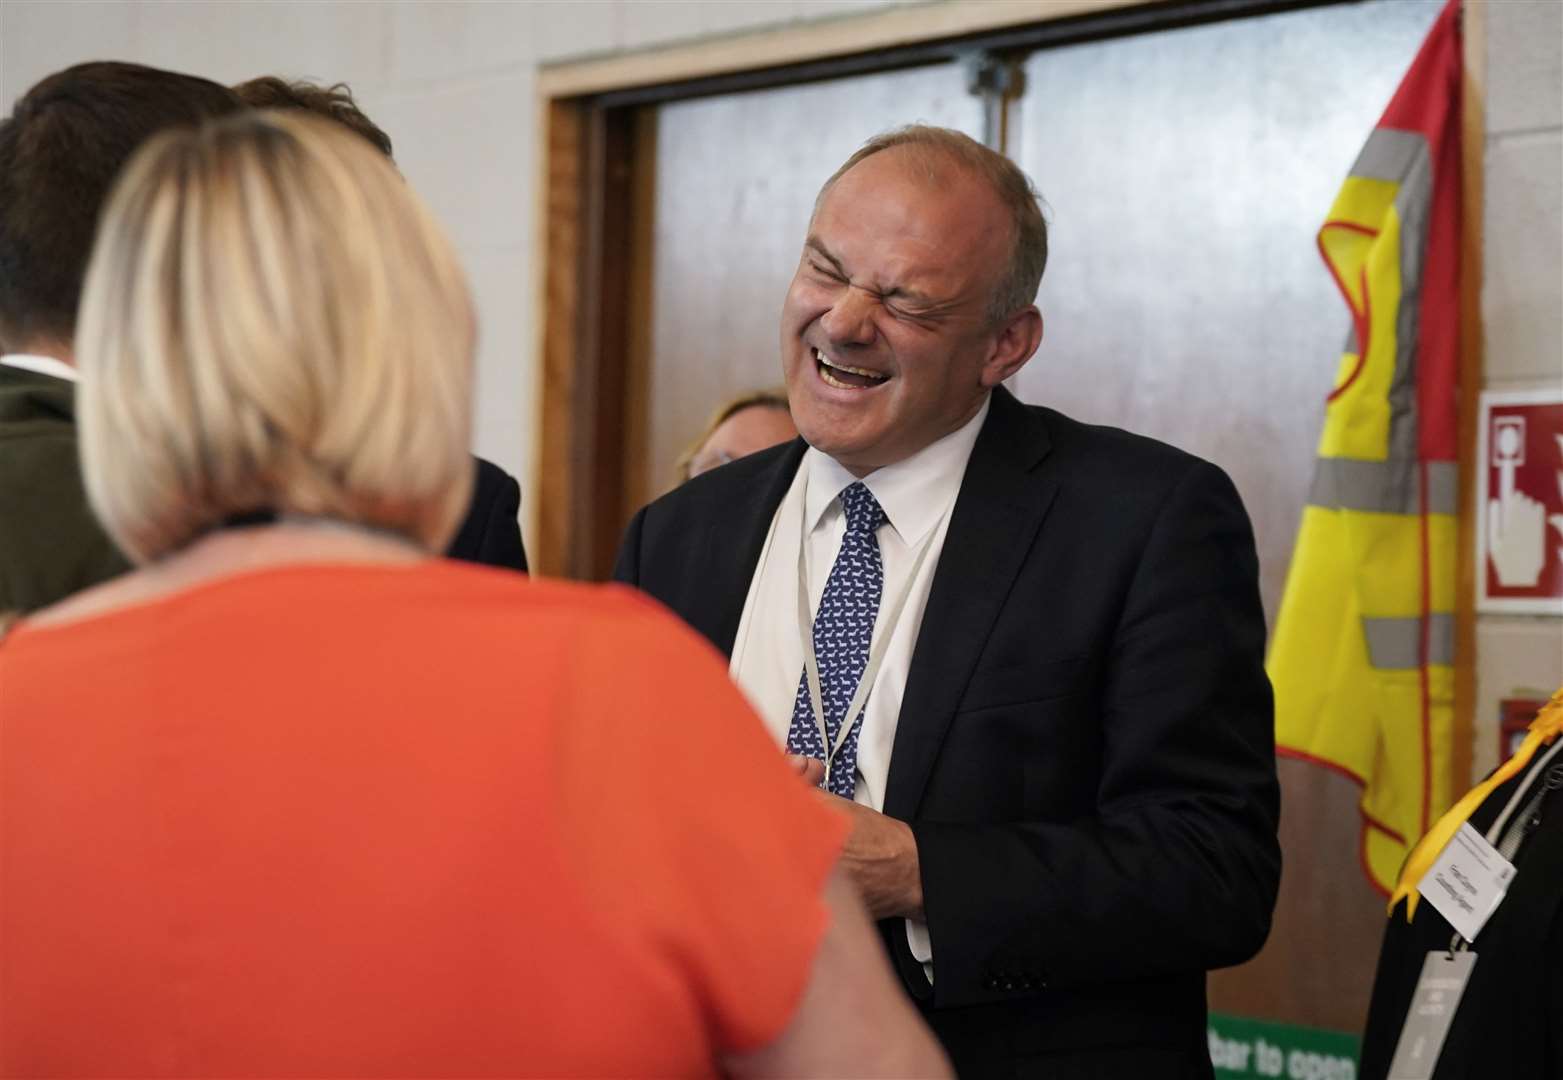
(425, 820)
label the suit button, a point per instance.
(991, 983)
(1009, 986)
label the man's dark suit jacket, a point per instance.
(490, 533)
(51, 546)
(1085, 751)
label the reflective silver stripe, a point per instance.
(1388, 155)
(1414, 203)
(1443, 487)
(1395, 644)
(1383, 487)
(1393, 486)
(1402, 157)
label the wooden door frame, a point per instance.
(596, 149)
(1473, 145)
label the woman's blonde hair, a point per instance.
(272, 322)
(754, 399)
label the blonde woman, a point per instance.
(742, 426)
(294, 798)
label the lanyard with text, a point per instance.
(876, 653)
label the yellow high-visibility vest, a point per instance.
(1363, 653)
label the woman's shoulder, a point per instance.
(556, 629)
(464, 588)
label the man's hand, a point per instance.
(881, 853)
(881, 859)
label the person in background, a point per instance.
(1025, 654)
(490, 532)
(330, 806)
(1505, 1019)
(333, 102)
(60, 149)
(749, 423)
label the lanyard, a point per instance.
(1508, 846)
(876, 654)
(1537, 774)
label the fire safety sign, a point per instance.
(1519, 547)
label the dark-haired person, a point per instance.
(61, 147)
(490, 532)
(333, 102)
(1061, 778)
(1502, 1021)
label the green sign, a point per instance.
(1240, 1047)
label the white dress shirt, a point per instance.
(917, 495)
(40, 365)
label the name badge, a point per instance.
(1438, 990)
(1468, 882)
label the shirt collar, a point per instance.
(915, 492)
(40, 365)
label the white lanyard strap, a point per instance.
(876, 654)
(1537, 773)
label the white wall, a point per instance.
(1522, 299)
(451, 82)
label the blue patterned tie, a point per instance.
(843, 632)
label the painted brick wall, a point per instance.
(1522, 298)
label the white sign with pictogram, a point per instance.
(1519, 547)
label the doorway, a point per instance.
(1186, 165)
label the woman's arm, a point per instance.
(853, 1019)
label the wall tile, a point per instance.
(460, 37)
(571, 28)
(1515, 657)
(1523, 259)
(826, 9)
(1524, 65)
(736, 16)
(505, 394)
(37, 39)
(327, 40)
(658, 22)
(468, 151)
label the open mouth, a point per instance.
(845, 377)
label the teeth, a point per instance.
(831, 380)
(822, 358)
(857, 371)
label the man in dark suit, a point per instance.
(1062, 782)
(60, 150)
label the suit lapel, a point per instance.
(737, 527)
(995, 521)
